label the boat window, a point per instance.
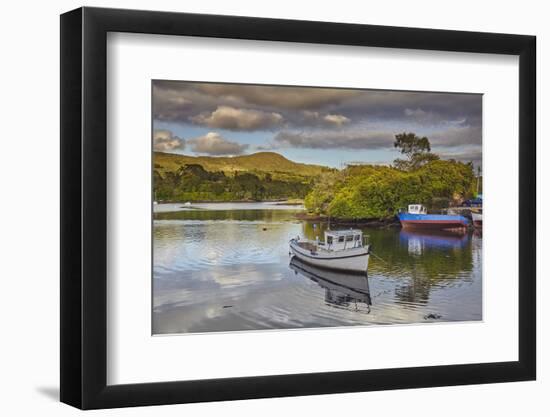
(349, 238)
(341, 239)
(357, 237)
(329, 240)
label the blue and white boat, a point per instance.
(417, 217)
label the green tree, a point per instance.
(319, 199)
(366, 192)
(416, 149)
(192, 182)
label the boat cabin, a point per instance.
(336, 240)
(417, 209)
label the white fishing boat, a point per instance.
(343, 250)
(477, 219)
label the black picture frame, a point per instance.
(84, 207)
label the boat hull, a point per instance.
(432, 221)
(477, 220)
(356, 260)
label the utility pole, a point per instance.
(478, 175)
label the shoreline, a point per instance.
(379, 223)
(387, 223)
(291, 202)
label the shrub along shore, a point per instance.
(366, 194)
(378, 192)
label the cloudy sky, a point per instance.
(324, 126)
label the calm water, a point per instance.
(222, 267)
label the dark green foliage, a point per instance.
(193, 183)
(409, 143)
(357, 192)
(259, 176)
(367, 192)
(416, 149)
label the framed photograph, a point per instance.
(257, 208)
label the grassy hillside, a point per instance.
(269, 162)
(260, 176)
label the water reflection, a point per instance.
(222, 270)
(262, 215)
(418, 241)
(343, 290)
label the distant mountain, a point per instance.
(256, 177)
(261, 162)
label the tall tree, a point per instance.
(417, 150)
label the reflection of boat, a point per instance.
(477, 219)
(417, 217)
(417, 240)
(343, 250)
(340, 288)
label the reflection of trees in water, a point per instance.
(312, 230)
(201, 226)
(420, 260)
(428, 260)
(245, 215)
(416, 261)
(168, 232)
(201, 239)
(416, 289)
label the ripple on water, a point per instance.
(233, 274)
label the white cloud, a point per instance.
(166, 141)
(316, 118)
(214, 144)
(419, 113)
(244, 107)
(336, 119)
(344, 139)
(226, 117)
